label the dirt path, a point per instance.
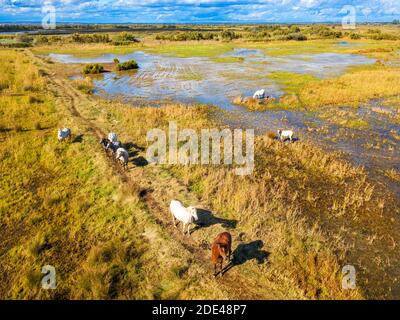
(156, 197)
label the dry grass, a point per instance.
(85, 85)
(352, 88)
(393, 174)
(254, 104)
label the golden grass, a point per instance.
(85, 85)
(393, 174)
(352, 88)
(254, 104)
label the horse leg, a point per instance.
(173, 221)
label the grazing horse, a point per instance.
(104, 143)
(221, 250)
(109, 146)
(123, 157)
(64, 134)
(112, 136)
(285, 134)
(113, 146)
(187, 216)
(260, 94)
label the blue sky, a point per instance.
(199, 11)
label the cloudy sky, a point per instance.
(199, 11)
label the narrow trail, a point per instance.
(156, 200)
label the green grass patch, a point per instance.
(354, 123)
(191, 77)
(227, 59)
(292, 82)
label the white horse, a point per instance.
(63, 134)
(123, 157)
(185, 215)
(285, 134)
(112, 136)
(260, 94)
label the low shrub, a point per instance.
(355, 36)
(296, 36)
(128, 65)
(93, 69)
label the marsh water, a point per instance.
(202, 80)
(240, 73)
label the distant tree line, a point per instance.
(187, 36)
(119, 39)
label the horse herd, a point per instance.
(111, 145)
(221, 248)
(114, 148)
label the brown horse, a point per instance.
(221, 250)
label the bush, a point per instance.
(15, 45)
(229, 35)
(296, 36)
(23, 38)
(93, 69)
(40, 40)
(128, 65)
(324, 32)
(187, 36)
(384, 36)
(355, 36)
(89, 38)
(125, 37)
(294, 29)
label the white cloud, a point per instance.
(200, 10)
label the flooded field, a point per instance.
(217, 81)
(202, 80)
